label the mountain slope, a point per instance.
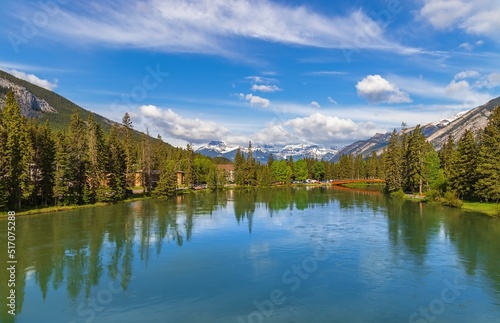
(475, 120)
(42, 104)
(436, 132)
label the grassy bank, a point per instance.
(50, 209)
(491, 209)
(365, 185)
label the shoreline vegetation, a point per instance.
(42, 171)
(489, 209)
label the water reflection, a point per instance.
(78, 250)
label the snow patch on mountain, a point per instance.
(262, 152)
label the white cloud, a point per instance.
(478, 17)
(489, 81)
(332, 100)
(376, 89)
(493, 79)
(315, 104)
(210, 26)
(265, 88)
(276, 134)
(466, 46)
(469, 46)
(460, 91)
(255, 100)
(170, 124)
(321, 128)
(32, 78)
(455, 87)
(467, 74)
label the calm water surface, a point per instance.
(277, 255)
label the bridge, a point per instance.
(351, 181)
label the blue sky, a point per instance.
(270, 71)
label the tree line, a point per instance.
(84, 165)
(466, 170)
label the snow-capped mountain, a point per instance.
(262, 152)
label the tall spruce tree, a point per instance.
(446, 156)
(43, 166)
(96, 162)
(414, 160)
(239, 165)
(393, 163)
(249, 168)
(116, 169)
(463, 170)
(128, 144)
(488, 161)
(17, 154)
(77, 149)
(62, 174)
(167, 183)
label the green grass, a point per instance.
(492, 209)
(364, 185)
(50, 209)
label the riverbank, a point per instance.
(490, 209)
(51, 209)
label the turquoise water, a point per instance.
(270, 255)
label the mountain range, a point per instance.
(42, 104)
(262, 152)
(436, 132)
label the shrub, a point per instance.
(398, 194)
(452, 200)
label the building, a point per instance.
(228, 169)
(180, 177)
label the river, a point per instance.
(263, 255)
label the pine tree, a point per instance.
(43, 166)
(270, 160)
(77, 148)
(414, 160)
(371, 165)
(3, 165)
(96, 162)
(167, 183)
(264, 176)
(446, 156)
(62, 174)
(116, 168)
(17, 154)
(239, 161)
(147, 163)
(128, 144)
(488, 161)
(393, 163)
(249, 168)
(463, 170)
(189, 171)
(359, 167)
